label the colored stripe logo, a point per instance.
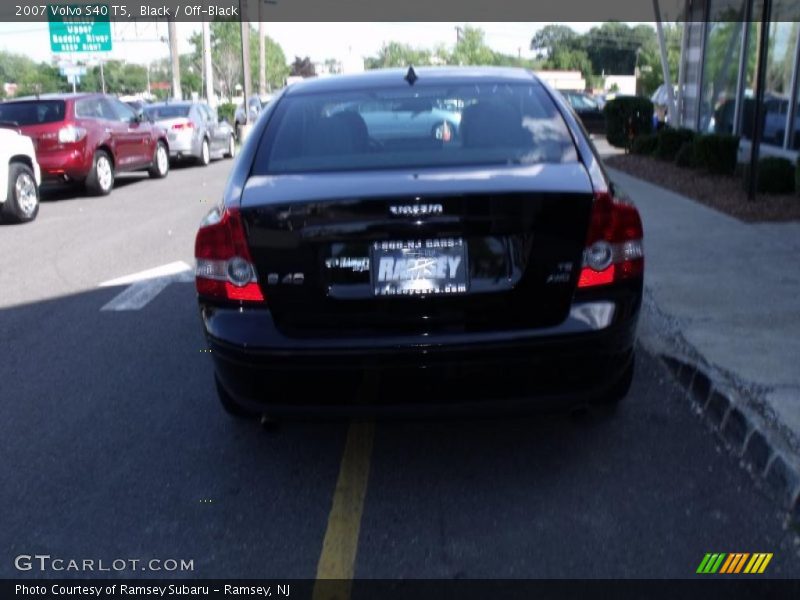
(734, 563)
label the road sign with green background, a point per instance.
(79, 28)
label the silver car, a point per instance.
(194, 130)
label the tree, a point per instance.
(31, 77)
(120, 77)
(567, 59)
(302, 67)
(612, 47)
(396, 54)
(191, 75)
(226, 57)
(650, 61)
(471, 49)
(277, 69)
(552, 38)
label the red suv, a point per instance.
(88, 138)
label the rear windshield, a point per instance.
(34, 112)
(476, 124)
(166, 112)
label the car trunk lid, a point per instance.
(508, 241)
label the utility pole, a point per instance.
(207, 63)
(175, 60)
(262, 53)
(248, 83)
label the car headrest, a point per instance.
(492, 124)
(341, 133)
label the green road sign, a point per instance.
(79, 28)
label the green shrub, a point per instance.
(626, 118)
(644, 144)
(226, 111)
(775, 175)
(687, 156)
(670, 142)
(717, 152)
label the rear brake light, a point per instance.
(71, 134)
(183, 125)
(614, 248)
(224, 267)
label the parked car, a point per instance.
(19, 176)
(501, 255)
(88, 138)
(773, 116)
(413, 117)
(589, 111)
(255, 104)
(137, 105)
(194, 129)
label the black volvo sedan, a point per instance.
(447, 227)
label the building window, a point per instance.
(720, 72)
(780, 65)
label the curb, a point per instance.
(740, 432)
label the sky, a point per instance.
(140, 42)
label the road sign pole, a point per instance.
(102, 77)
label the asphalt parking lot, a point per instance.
(115, 446)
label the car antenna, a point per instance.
(411, 76)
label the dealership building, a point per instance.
(717, 79)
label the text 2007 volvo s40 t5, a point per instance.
(442, 260)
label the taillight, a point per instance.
(71, 134)
(183, 125)
(614, 244)
(224, 267)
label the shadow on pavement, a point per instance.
(116, 447)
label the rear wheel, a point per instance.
(22, 197)
(160, 166)
(230, 405)
(100, 181)
(205, 154)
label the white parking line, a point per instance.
(162, 271)
(146, 285)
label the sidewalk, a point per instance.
(724, 297)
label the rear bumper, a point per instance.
(571, 363)
(64, 165)
(184, 145)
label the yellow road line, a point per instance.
(337, 560)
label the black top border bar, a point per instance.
(387, 10)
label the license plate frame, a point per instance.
(419, 267)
